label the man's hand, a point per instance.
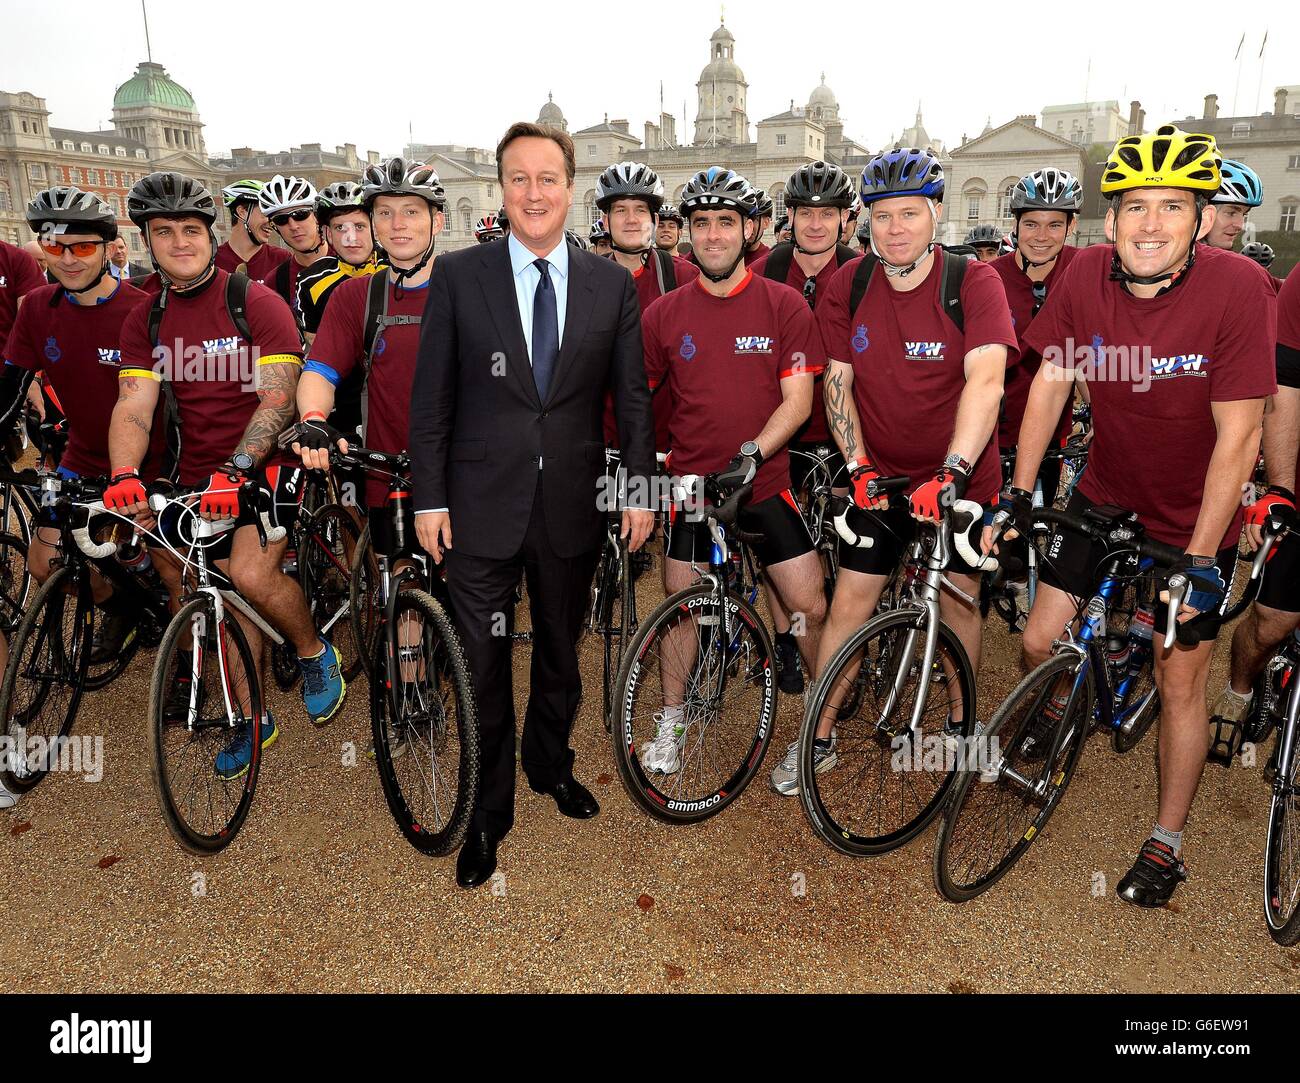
(860, 484)
(637, 525)
(125, 493)
(737, 473)
(433, 528)
(220, 500)
(316, 437)
(1276, 502)
(1207, 586)
(942, 491)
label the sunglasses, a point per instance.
(297, 216)
(80, 249)
(1040, 295)
(810, 291)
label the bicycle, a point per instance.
(814, 496)
(711, 651)
(1000, 807)
(422, 706)
(901, 680)
(49, 664)
(1281, 710)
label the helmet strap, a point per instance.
(103, 270)
(1118, 273)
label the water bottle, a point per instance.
(134, 557)
(1140, 631)
(1117, 650)
(289, 565)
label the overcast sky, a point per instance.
(461, 72)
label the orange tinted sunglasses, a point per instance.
(80, 249)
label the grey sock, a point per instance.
(1172, 839)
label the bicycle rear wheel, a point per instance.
(325, 557)
(886, 781)
(203, 811)
(993, 818)
(45, 678)
(718, 664)
(1282, 851)
(15, 581)
(425, 725)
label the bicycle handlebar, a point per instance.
(251, 496)
(896, 483)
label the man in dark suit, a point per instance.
(518, 344)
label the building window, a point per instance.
(120, 151)
(591, 150)
(25, 132)
(5, 203)
(778, 201)
(468, 225)
(36, 172)
(1241, 128)
(1287, 223)
(1004, 202)
(85, 148)
(1293, 162)
(67, 144)
(780, 142)
(140, 153)
(103, 149)
(973, 209)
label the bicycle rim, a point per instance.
(1282, 854)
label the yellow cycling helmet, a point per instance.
(1168, 158)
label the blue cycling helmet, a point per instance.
(1238, 183)
(902, 172)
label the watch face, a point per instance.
(750, 448)
(242, 462)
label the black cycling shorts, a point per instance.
(785, 535)
(1280, 589)
(1072, 561)
(892, 532)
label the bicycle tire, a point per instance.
(101, 676)
(1282, 901)
(15, 581)
(325, 556)
(40, 676)
(363, 601)
(754, 735)
(825, 820)
(229, 801)
(396, 728)
(1009, 730)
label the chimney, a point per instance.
(1134, 123)
(668, 129)
(1279, 106)
(372, 157)
(1142, 121)
(620, 124)
(241, 152)
(1211, 106)
(651, 136)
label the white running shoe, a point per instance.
(785, 775)
(663, 753)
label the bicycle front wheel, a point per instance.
(45, 678)
(886, 780)
(203, 700)
(15, 581)
(1282, 852)
(364, 602)
(715, 663)
(425, 725)
(1002, 804)
(325, 558)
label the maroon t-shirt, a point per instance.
(757, 253)
(1277, 284)
(19, 275)
(1020, 297)
(646, 279)
(723, 359)
(1288, 317)
(339, 346)
(909, 365)
(1164, 362)
(265, 260)
(78, 349)
(815, 431)
(215, 387)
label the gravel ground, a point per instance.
(320, 892)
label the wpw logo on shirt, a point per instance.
(221, 345)
(109, 357)
(923, 351)
(1183, 364)
(753, 344)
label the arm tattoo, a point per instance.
(140, 424)
(127, 386)
(274, 412)
(837, 411)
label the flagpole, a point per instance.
(1237, 85)
(148, 49)
(1259, 88)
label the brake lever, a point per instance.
(1178, 588)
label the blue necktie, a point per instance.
(546, 330)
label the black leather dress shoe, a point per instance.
(573, 799)
(478, 859)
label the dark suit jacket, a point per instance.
(477, 428)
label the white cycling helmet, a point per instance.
(282, 194)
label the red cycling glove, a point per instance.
(124, 490)
(220, 500)
(939, 493)
(861, 480)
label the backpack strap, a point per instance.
(237, 304)
(666, 271)
(843, 253)
(950, 279)
(171, 410)
(778, 262)
(376, 313)
(861, 280)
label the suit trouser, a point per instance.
(482, 598)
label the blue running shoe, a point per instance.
(323, 686)
(233, 760)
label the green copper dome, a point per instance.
(151, 85)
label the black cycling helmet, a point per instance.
(714, 188)
(629, 180)
(337, 198)
(819, 184)
(68, 209)
(987, 236)
(1258, 251)
(1049, 189)
(669, 213)
(169, 195)
(763, 206)
(396, 177)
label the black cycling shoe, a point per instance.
(1155, 875)
(112, 630)
(789, 675)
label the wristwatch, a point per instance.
(750, 449)
(956, 462)
(243, 462)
